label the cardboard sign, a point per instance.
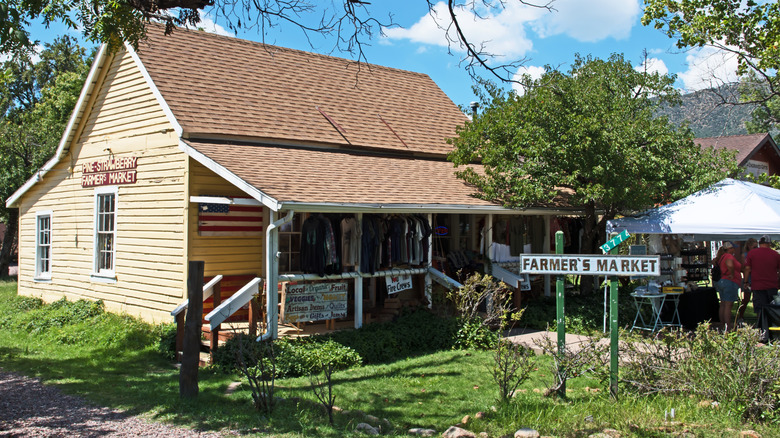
(315, 302)
(399, 283)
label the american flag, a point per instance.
(230, 220)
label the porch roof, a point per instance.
(339, 180)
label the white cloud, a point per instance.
(209, 25)
(535, 72)
(708, 67)
(502, 32)
(653, 65)
(590, 21)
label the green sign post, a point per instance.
(613, 333)
(559, 301)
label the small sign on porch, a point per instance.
(398, 283)
(315, 302)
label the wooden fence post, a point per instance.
(190, 358)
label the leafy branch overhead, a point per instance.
(349, 25)
(748, 30)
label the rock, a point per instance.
(483, 435)
(367, 429)
(749, 434)
(419, 431)
(386, 424)
(612, 433)
(465, 420)
(337, 409)
(598, 435)
(526, 433)
(457, 432)
(372, 419)
(479, 415)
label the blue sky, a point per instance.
(592, 27)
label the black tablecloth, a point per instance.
(698, 306)
(770, 317)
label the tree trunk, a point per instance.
(590, 243)
(190, 356)
(9, 241)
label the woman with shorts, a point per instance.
(728, 285)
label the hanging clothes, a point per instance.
(350, 241)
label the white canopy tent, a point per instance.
(729, 209)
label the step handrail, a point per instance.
(507, 276)
(444, 279)
(208, 290)
(234, 303)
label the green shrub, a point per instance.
(294, 356)
(732, 369)
(414, 332)
(474, 334)
(166, 344)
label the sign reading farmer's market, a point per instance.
(315, 302)
(563, 264)
(110, 171)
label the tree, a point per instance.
(588, 136)
(349, 23)
(37, 100)
(747, 29)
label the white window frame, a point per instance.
(98, 273)
(39, 245)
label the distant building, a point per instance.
(756, 153)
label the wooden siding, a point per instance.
(124, 120)
(223, 255)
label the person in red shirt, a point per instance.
(762, 268)
(728, 285)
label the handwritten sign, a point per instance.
(398, 283)
(315, 302)
(110, 171)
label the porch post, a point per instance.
(359, 281)
(428, 280)
(272, 278)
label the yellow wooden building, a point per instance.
(195, 119)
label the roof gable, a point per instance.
(745, 145)
(222, 87)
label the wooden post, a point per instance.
(254, 315)
(179, 334)
(216, 296)
(188, 373)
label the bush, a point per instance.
(415, 332)
(731, 369)
(294, 357)
(166, 344)
(474, 334)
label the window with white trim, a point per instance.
(105, 231)
(43, 245)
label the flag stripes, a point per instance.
(230, 220)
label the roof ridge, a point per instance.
(235, 39)
(732, 136)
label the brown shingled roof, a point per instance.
(221, 86)
(341, 177)
(745, 145)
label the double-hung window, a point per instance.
(43, 245)
(105, 231)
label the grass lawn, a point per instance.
(113, 361)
